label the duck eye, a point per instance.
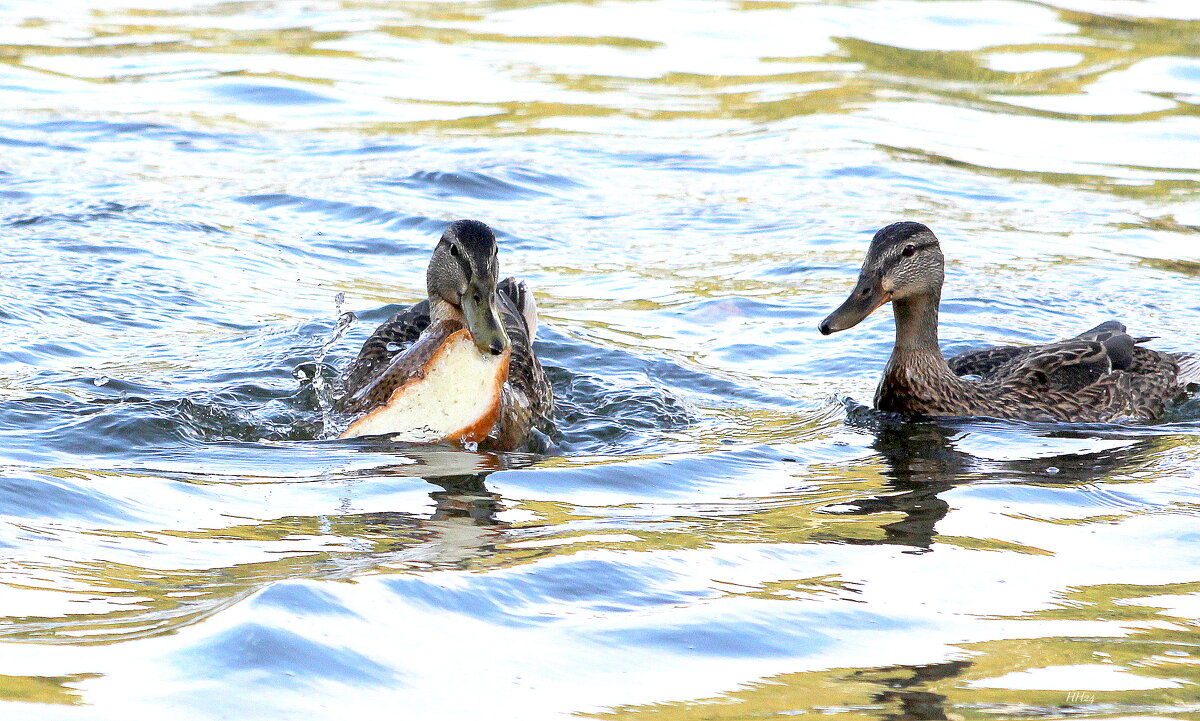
(909, 251)
(454, 250)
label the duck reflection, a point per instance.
(904, 686)
(463, 526)
(465, 497)
(462, 529)
(922, 460)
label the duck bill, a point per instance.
(483, 320)
(867, 296)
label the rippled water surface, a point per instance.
(717, 530)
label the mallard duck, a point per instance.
(1102, 375)
(484, 327)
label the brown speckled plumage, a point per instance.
(1101, 375)
(400, 346)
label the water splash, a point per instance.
(322, 391)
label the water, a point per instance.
(717, 530)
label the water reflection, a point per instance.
(923, 460)
(132, 602)
(43, 689)
(905, 690)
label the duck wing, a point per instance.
(1000, 360)
(389, 340)
(1071, 366)
(1102, 377)
(404, 366)
(519, 313)
(984, 362)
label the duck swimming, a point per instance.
(1099, 376)
(458, 366)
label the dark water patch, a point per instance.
(368, 149)
(126, 300)
(550, 592)
(348, 212)
(464, 601)
(496, 183)
(17, 143)
(688, 162)
(96, 251)
(267, 655)
(263, 94)
(806, 268)
(537, 178)
(463, 185)
(509, 242)
(54, 495)
(937, 186)
(107, 210)
(1062, 499)
(864, 171)
(302, 599)
(670, 476)
(186, 140)
(344, 249)
(179, 225)
(32, 354)
(601, 585)
(751, 635)
(129, 427)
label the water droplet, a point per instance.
(470, 446)
(1052, 470)
(100, 380)
(392, 347)
(323, 393)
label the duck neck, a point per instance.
(917, 324)
(441, 310)
(917, 357)
(917, 377)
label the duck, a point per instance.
(464, 352)
(1103, 375)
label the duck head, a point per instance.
(462, 275)
(904, 262)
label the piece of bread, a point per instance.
(453, 397)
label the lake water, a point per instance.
(717, 531)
